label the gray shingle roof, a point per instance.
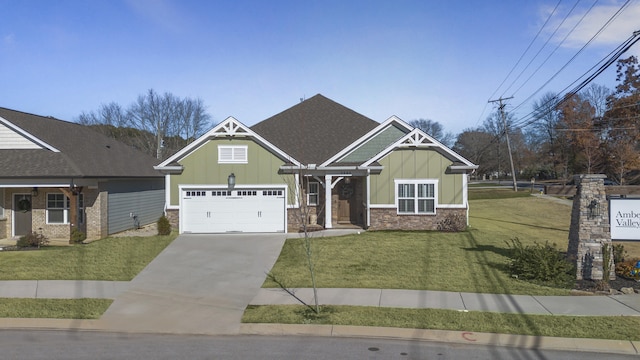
(83, 152)
(315, 129)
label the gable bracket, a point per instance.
(333, 184)
(231, 128)
(417, 139)
(319, 180)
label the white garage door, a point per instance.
(205, 210)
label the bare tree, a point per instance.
(545, 133)
(597, 96)
(435, 130)
(158, 124)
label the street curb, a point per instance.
(442, 336)
(445, 336)
(49, 324)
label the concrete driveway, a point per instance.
(200, 284)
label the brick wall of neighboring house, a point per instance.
(95, 225)
(3, 227)
(95, 203)
(388, 219)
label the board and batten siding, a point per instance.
(10, 140)
(142, 198)
(416, 164)
(201, 168)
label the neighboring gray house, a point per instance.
(48, 165)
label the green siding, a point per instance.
(416, 164)
(201, 167)
(374, 145)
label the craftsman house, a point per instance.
(316, 164)
(56, 174)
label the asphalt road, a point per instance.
(51, 345)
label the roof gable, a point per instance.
(372, 142)
(419, 139)
(315, 129)
(14, 138)
(70, 150)
(229, 128)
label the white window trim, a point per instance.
(317, 193)
(416, 182)
(239, 154)
(65, 210)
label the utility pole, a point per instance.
(506, 133)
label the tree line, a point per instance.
(592, 131)
(157, 124)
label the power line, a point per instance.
(527, 49)
(557, 46)
(542, 48)
(607, 23)
(555, 102)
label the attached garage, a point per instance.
(216, 209)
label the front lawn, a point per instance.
(119, 259)
(470, 261)
(54, 308)
(602, 327)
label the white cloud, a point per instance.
(621, 28)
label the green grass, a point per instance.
(108, 259)
(618, 328)
(497, 193)
(53, 308)
(471, 261)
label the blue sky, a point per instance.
(440, 60)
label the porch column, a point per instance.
(72, 194)
(368, 200)
(328, 224)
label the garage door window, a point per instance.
(236, 154)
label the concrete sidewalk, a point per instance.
(597, 305)
(62, 289)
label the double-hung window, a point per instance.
(416, 196)
(58, 208)
(312, 194)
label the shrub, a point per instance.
(453, 223)
(618, 253)
(540, 263)
(164, 227)
(32, 240)
(77, 236)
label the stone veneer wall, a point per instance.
(173, 215)
(587, 234)
(388, 219)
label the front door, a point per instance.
(346, 202)
(21, 214)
